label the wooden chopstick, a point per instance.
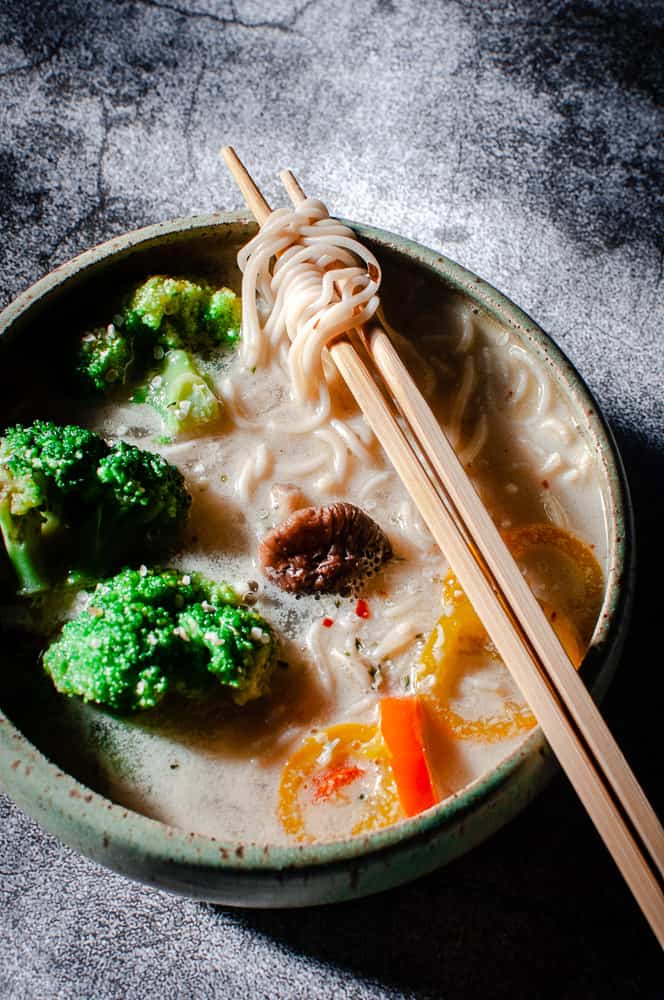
(514, 588)
(458, 522)
(516, 591)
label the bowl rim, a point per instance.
(54, 797)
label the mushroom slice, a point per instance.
(326, 549)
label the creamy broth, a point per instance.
(216, 769)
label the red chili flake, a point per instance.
(328, 622)
(362, 609)
(334, 779)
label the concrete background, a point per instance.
(523, 140)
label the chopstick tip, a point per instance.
(292, 186)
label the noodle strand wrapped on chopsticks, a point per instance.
(316, 282)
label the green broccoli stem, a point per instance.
(92, 544)
(182, 396)
(22, 538)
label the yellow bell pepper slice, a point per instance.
(547, 554)
(323, 771)
(563, 570)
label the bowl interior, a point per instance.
(417, 283)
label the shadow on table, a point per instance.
(583, 57)
(539, 910)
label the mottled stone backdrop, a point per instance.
(523, 140)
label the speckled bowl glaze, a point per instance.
(268, 876)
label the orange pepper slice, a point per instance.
(459, 636)
(353, 750)
(401, 726)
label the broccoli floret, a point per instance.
(44, 455)
(147, 632)
(168, 310)
(177, 313)
(144, 495)
(223, 317)
(105, 357)
(238, 646)
(182, 396)
(167, 321)
(69, 502)
(47, 478)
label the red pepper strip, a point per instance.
(401, 726)
(362, 609)
(332, 780)
(328, 622)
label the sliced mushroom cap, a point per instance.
(326, 549)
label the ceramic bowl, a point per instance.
(247, 874)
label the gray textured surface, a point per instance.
(522, 140)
